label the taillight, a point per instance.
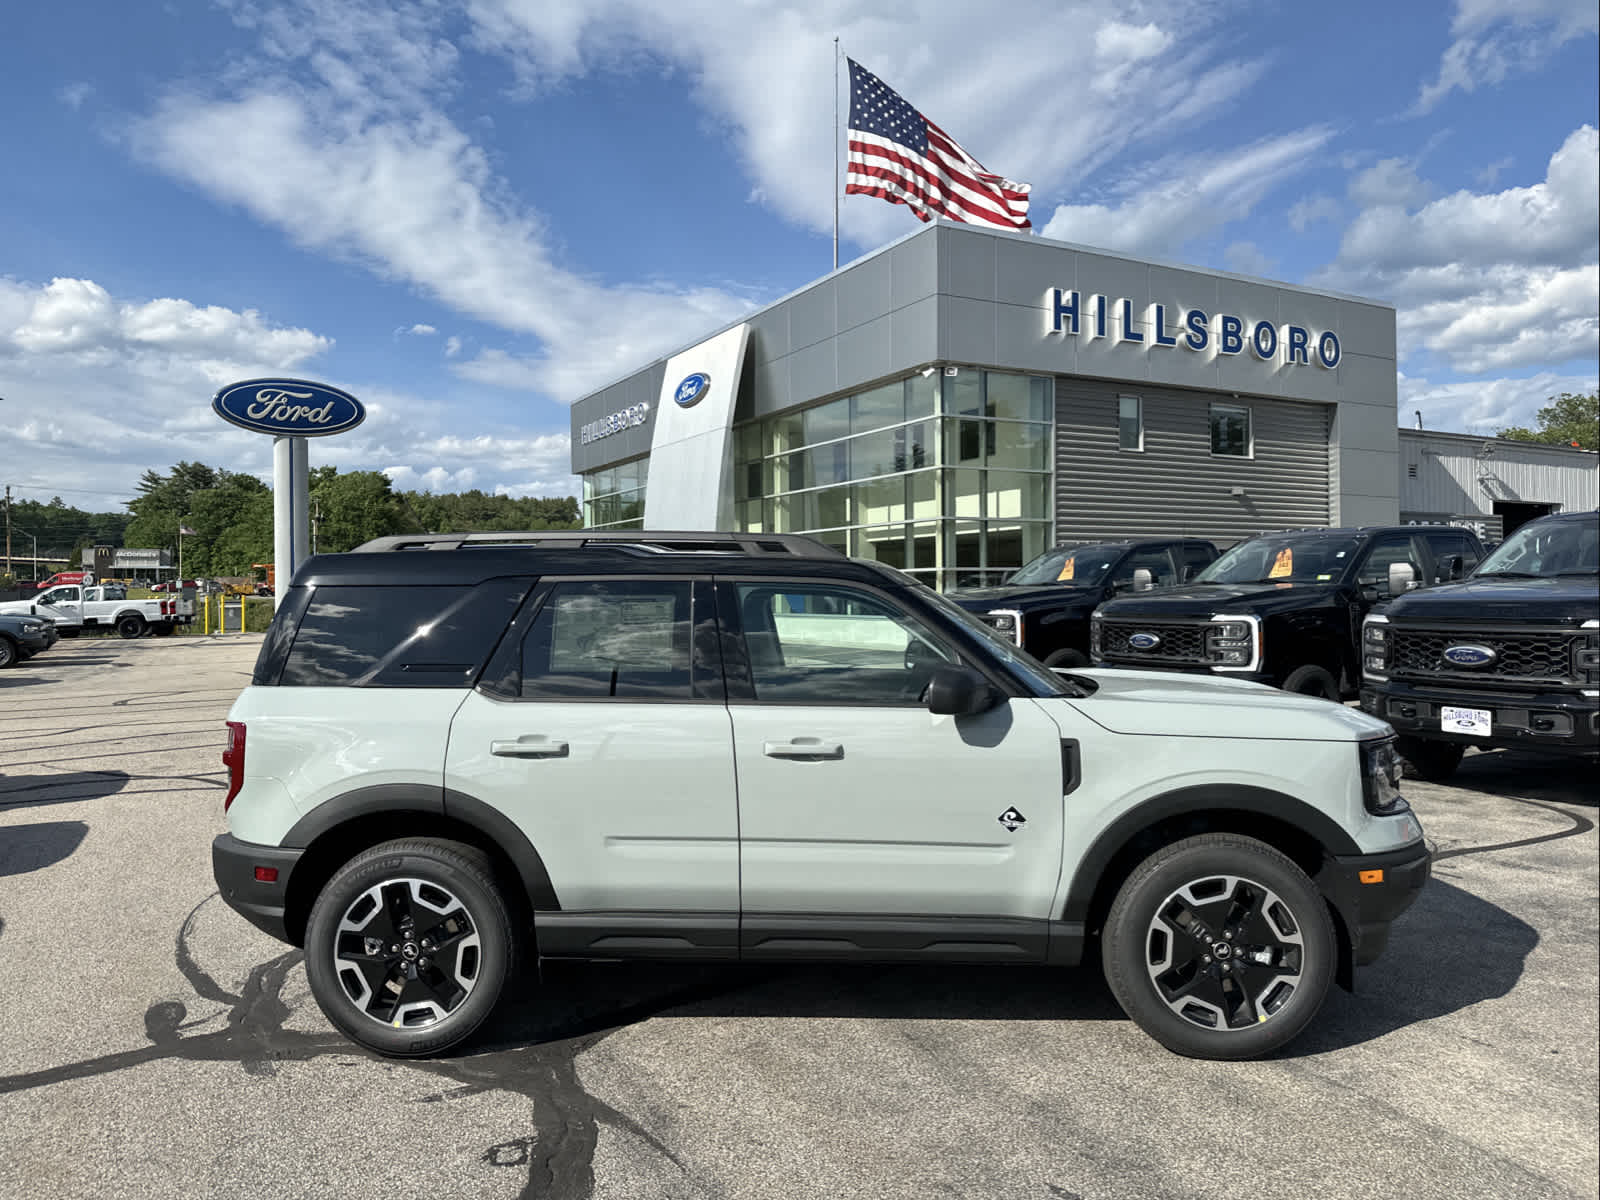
(233, 759)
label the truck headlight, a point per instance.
(1007, 623)
(1233, 643)
(1586, 661)
(1375, 647)
(1380, 778)
(1094, 637)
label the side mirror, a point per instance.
(1143, 581)
(1401, 578)
(1186, 574)
(959, 692)
(1452, 568)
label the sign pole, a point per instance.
(283, 489)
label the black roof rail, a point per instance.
(641, 540)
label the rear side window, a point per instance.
(620, 639)
(402, 636)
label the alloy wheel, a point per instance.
(407, 953)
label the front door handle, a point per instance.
(809, 749)
(529, 745)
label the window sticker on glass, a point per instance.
(1283, 565)
(1066, 569)
(592, 630)
(1324, 578)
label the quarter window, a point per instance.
(830, 645)
(1230, 430)
(1130, 423)
(610, 640)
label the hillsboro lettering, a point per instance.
(1167, 327)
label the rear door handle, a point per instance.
(529, 745)
(806, 748)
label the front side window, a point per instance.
(1157, 561)
(402, 636)
(1130, 423)
(1448, 545)
(1387, 551)
(1230, 430)
(626, 639)
(819, 644)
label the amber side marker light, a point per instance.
(1372, 876)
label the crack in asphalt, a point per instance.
(559, 1154)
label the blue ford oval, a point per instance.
(288, 407)
(1470, 656)
(692, 390)
(1144, 641)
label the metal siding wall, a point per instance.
(1452, 478)
(1176, 486)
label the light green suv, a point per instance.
(461, 751)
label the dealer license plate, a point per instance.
(1472, 721)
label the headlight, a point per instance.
(1233, 643)
(1007, 623)
(1586, 661)
(1380, 778)
(1375, 647)
(32, 626)
(1094, 637)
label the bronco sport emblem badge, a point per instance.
(1012, 820)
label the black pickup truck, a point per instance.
(1283, 608)
(1510, 657)
(1045, 606)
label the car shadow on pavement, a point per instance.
(60, 787)
(1534, 776)
(26, 848)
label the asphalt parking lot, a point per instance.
(154, 1044)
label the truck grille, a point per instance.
(1180, 643)
(1521, 656)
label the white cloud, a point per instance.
(452, 347)
(1177, 200)
(1495, 39)
(1130, 43)
(1489, 175)
(422, 330)
(74, 95)
(1485, 406)
(1392, 181)
(1489, 281)
(1248, 259)
(1312, 210)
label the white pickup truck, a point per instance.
(73, 608)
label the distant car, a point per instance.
(58, 578)
(172, 585)
(21, 637)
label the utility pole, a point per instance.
(316, 520)
(8, 529)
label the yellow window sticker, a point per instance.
(1066, 569)
(1283, 566)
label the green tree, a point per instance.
(354, 507)
(1567, 420)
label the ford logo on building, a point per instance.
(1144, 641)
(692, 390)
(1470, 656)
(288, 407)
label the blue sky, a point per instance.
(469, 214)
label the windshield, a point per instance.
(1045, 681)
(1079, 566)
(1284, 558)
(1556, 548)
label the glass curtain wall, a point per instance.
(946, 477)
(614, 498)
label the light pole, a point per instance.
(26, 534)
(183, 532)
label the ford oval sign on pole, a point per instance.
(288, 407)
(291, 410)
(691, 389)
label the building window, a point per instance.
(1130, 423)
(1230, 430)
(614, 497)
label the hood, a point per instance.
(1567, 600)
(1207, 599)
(17, 608)
(1169, 704)
(1024, 595)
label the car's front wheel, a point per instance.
(409, 946)
(9, 653)
(1219, 947)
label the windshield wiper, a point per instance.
(1510, 575)
(1578, 571)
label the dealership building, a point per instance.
(960, 400)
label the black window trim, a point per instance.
(1249, 429)
(706, 671)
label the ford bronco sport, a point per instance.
(460, 751)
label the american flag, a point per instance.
(900, 155)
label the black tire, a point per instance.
(1066, 658)
(1312, 680)
(69, 633)
(453, 882)
(130, 626)
(164, 630)
(10, 653)
(1165, 977)
(1433, 761)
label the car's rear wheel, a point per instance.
(1434, 761)
(1066, 658)
(131, 626)
(409, 946)
(1312, 680)
(8, 653)
(1219, 947)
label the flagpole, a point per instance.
(835, 153)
